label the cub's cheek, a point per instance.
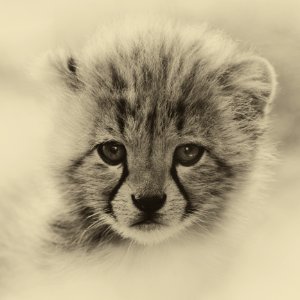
(174, 208)
(123, 209)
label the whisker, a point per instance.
(93, 215)
(94, 224)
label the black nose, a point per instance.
(149, 204)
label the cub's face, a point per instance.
(152, 141)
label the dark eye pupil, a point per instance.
(189, 151)
(114, 149)
(188, 155)
(111, 152)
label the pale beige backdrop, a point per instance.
(269, 266)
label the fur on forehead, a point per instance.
(215, 59)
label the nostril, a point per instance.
(149, 204)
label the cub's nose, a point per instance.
(149, 204)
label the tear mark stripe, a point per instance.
(188, 208)
(111, 195)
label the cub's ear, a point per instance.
(252, 83)
(58, 70)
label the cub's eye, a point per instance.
(113, 153)
(188, 154)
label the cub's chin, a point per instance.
(149, 232)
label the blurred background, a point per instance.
(269, 266)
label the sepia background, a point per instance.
(269, 264)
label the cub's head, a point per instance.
(156, 131)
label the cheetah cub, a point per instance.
(159, 139)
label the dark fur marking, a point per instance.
(121, 113)
(180, 110)
(104, 233)
(118, 82)
(102, 166)
(135, 80)
(135, 52)
(78, 162)
(189, 82)
(170, 110)
(60, 227)
(165, 61)
(147, 77)
(69, 75)
(151, 121)
(226, 79)
(86, 215)
(99, 233)
(111, 195)
(72, 66)
(224, 167)
(215, 192)
(132, 110)
(188, 208)
(187, 87)
(66, 233)
(109, 129)
(180, 65)
(203, 106)
(266, 94)
(69, 231)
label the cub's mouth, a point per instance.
(150, 226)
(148, 222)
(147, 226)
